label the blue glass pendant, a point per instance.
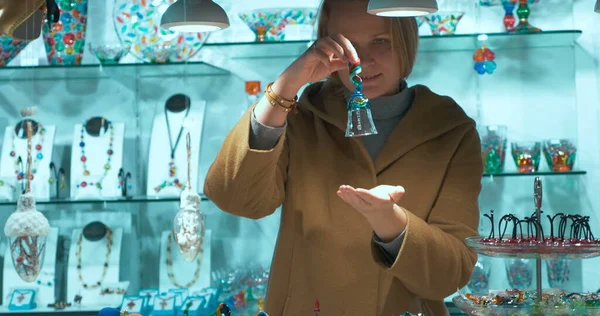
(360, 120)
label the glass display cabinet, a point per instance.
(110, 145)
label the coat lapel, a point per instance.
(430, 116)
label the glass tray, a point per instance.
(470, 308)
(533, 251)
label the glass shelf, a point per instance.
(155, 199)
(535, 174)
(96, 72)
(459, 42)
(133, 199)
(265, 50)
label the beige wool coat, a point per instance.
(325, 248)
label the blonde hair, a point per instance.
(404, 33)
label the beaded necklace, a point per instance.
(84, 158)
(173, 181)
(170, 272)
(37, 157)
(107, 260)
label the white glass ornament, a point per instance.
(189, 224)
(26, 230)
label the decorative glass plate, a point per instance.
(138, 23)
(471, 308)
(533, 250)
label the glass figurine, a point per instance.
(360, 120)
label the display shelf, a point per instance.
(265, 50)
(117, 200)
(458, 42)
(97, 72)
(154, 199)
(536, 174)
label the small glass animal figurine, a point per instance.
(360, 120)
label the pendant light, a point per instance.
(194, 16)
(402, 8)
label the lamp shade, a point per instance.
(597, 6)
(194, 16)
(402, 8)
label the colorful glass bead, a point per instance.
(83, 184)
(13, 154)
(83, 158)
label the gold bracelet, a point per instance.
(275, 100)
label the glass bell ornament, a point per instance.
(26, 230)
(189, 226)
(360, 120)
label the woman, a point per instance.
(393, 247)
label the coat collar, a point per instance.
(430, 116)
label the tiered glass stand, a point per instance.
(538, 251)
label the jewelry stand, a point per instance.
(160, 146)
(46, 281)
(96, 153)
(93, 257)
(184, 271)
(40, 188)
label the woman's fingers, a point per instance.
(330, 47)
(349, 51)
(331, 64)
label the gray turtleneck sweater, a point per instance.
(387, 112)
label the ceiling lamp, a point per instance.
(402, 8)
(194, 16)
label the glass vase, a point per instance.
(559, 273)
(65, 40)
(493, 148)
(520, 273)
(480, 278)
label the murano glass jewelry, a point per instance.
(109, 241)
(170, 272)
(360, 120)
(37, 156)
(84, 158)
(173, 180)
(189, 224)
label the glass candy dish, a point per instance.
(110, 53)
(444, 23)
(160, 54)
(517, 302)
(138, 23)
(270, 24)
(9, 49)
(560, 154)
